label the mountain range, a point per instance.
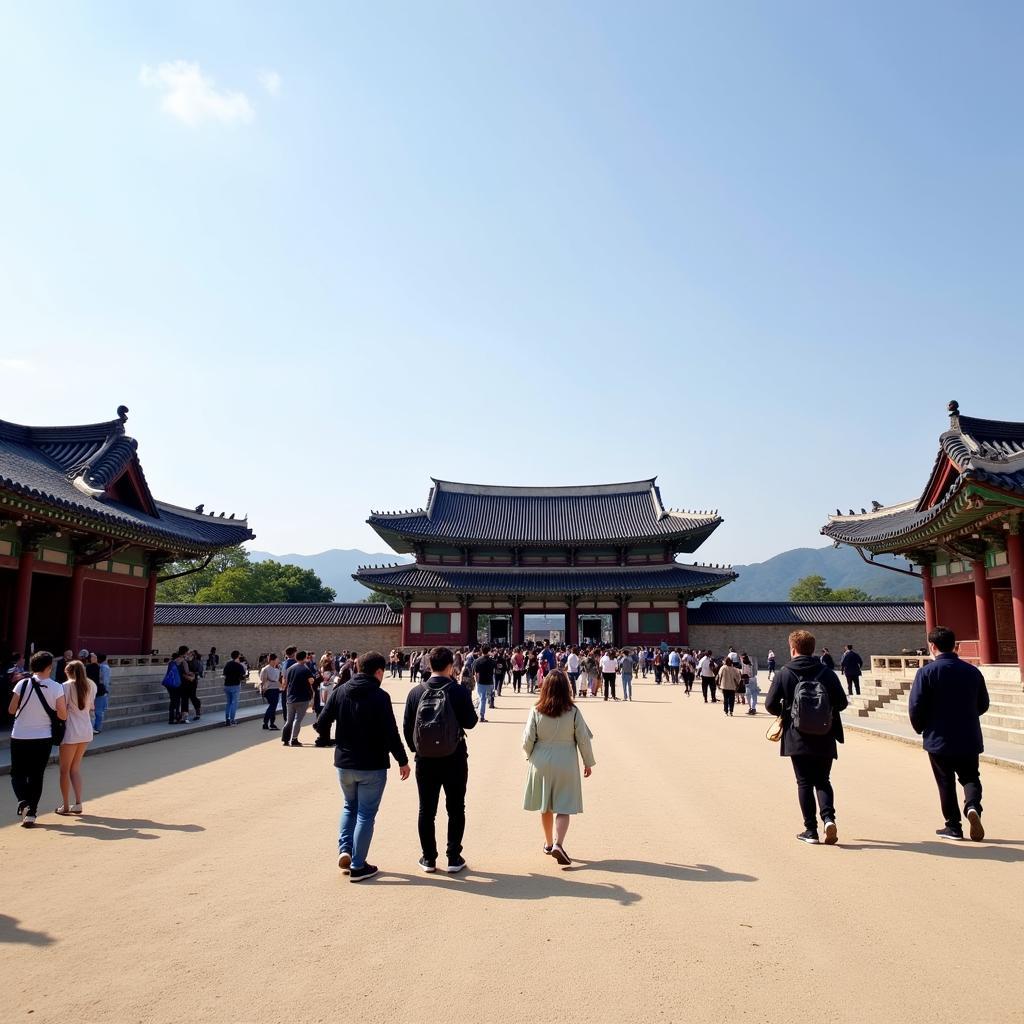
(761, 581)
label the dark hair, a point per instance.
(41, 661)
(183, 649)
(440, 659)
(555, 694)
(371, 663)
(289, 651)
(943, 638)
(300, 656)
(271, 657)
(101, 658)
(234, 654)
(486, 648)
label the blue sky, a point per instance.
(327, 252)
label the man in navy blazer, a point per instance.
(947, 701)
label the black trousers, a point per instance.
(853, 682)
(271, 697)
(432, 775)
(707, 683)
(517, 680)
(190, 692)
(688, 680)
(176, 700)
(29, 759)
(812, 780)
(609, 684)
(729, 699)
(499, 682)
(947, 770)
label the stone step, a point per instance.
(139, 687)
(1000, 727)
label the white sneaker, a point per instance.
(28, 821)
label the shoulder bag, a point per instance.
(58, 727)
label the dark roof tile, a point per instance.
(297, 615)
(785, 613)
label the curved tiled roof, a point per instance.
(786, 613)
(674, 578)
(603, 513)
(298, 615)
(984, 453)
(68, 469)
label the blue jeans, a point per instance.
(483, 691)
(231, 692)
(101, 710)
(362, 792)
(627, 687)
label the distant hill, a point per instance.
(763, 581)
(335, 567)
(841, 567)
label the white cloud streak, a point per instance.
(271, 81)
(192, 97)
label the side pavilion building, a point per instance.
(601, 557)
(82, 539)
(964, 531)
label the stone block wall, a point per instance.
(253, 641)
(867, 639)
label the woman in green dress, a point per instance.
(555, 738)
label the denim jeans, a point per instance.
(483, 691)
(270, 714)
(752, 694)
(627, 687)
(362, 792)
(101, 710)
(231, 692)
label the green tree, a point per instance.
(378, 597)
(815, 589)
(231, 578)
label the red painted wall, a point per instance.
(955, 609)
(112, 616)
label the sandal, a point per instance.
(64, 812)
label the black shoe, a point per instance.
(273, 727)
(810, 837)
(360, 874)
(977, 829)
(950, 833)
(429, 866)
(295, 743)
(265, 726)
(831, 833)
(22, 805)
(455, 865)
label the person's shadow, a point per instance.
(91, 826)
(1005, 851)
(675, 872)
(11, 931)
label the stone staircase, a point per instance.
(885, 694)
(138, 698)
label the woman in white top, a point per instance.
(80, 695)
(31, 735)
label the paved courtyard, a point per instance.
(202, 885)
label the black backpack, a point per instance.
(811, 713)
(436, 731)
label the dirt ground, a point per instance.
(202, 884)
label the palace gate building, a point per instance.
(602, 558)
(964, 531)
(82, 539)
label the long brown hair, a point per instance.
(75, 672)
(555, 694)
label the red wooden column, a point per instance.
(405, 624)
(623, 622)
(929, 597)
(517, 624)
(22, 600)
(573, 625)
(986, 615)
(149, 612)
(1015, 553)
(74, 638)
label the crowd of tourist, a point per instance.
(56, 702)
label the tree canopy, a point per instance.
(233, 578)
(378, 597)
(814, 588)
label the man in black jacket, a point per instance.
(366, 734)
(947, 701)
(450, 773)
(811, 754)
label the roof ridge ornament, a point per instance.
(954, 415)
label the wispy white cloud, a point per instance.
(192, 97)
(271, 81)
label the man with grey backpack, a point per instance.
(438, 711)
(809, 699)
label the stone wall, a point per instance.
(867, 639)
(253, 641)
